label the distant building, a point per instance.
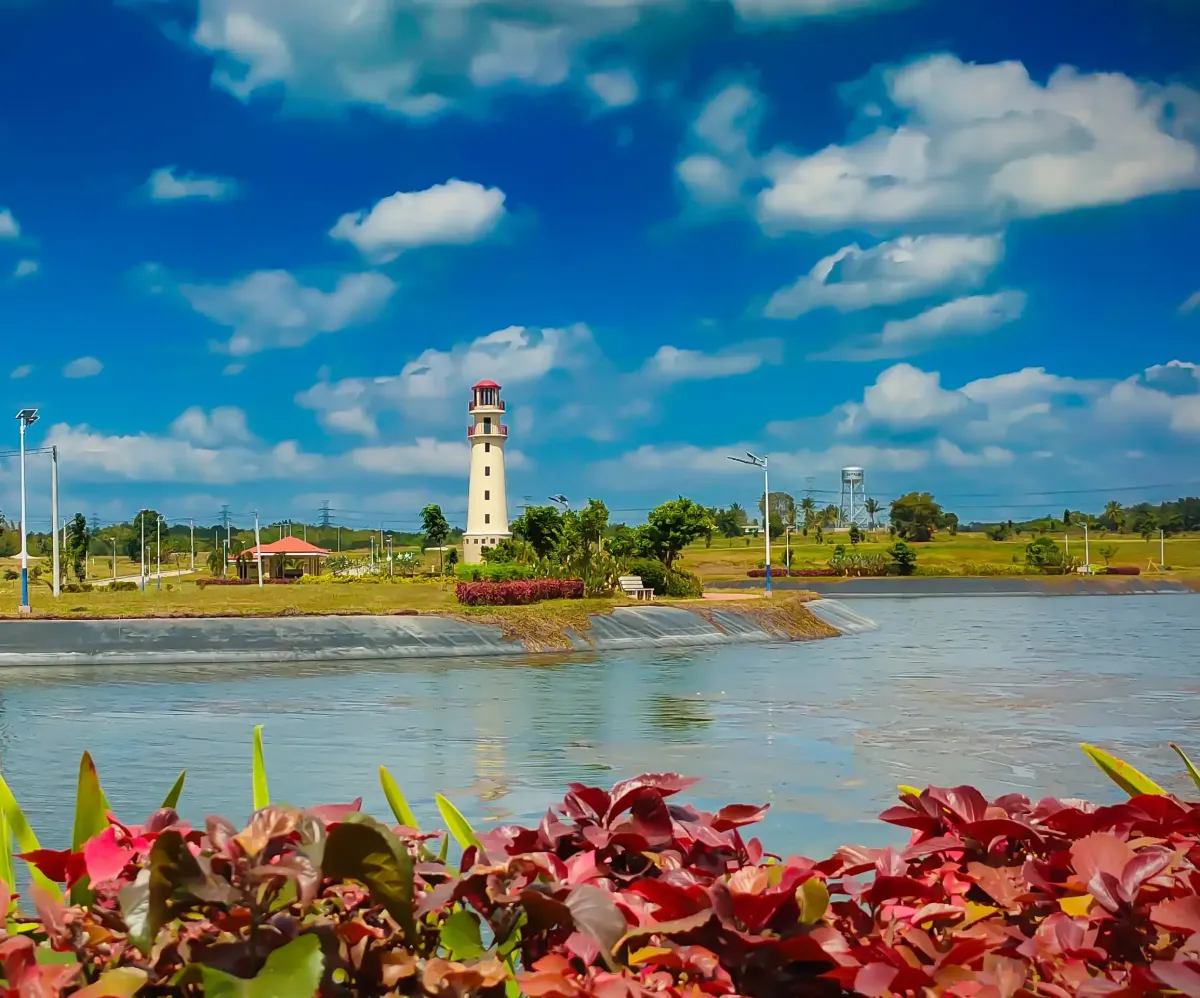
(487, 499)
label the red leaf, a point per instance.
(1181, 914)
(1146, 864)
(104, 856)
(650, 817)
(333, 813)
(737, 815)
(965, 803)
(889, 888)
(874, 979)
(583, 946)
(61, 866)
(665, 783)
(1100, 852)
(1179, 976)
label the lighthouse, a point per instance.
(487, 500)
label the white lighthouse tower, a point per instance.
(487, 500)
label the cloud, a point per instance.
(721, 162)
(25, 268)
(223, 425)
(1192, 302)
(951, 454)
(272, 309)
(427, 456)
(452, 213)
(10, 228)
(987, 141)
(165, 185)
(21, 371)
(614, 88)
(83, 367)
(906, 395)
(785, 10)
(971, 316)
(1173, 404)
(673, 364)
(889, 273)
(436, 383)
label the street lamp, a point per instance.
(761, 462)
(26, 417)
(561, 500)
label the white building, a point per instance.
(487, 500)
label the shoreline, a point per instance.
(361, 637)
(934, 586)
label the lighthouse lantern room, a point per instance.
(487, 500)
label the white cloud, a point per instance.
(721, 162)
(436, 383)
(784, 10)
(147, 457)
(21, 371)
(1175, 406)
(165, 184)
(271, 308)
(83, 367)
(951, 454)
(233, 369)
(427, 456)
(904, 394)
(1175, 376)
(614, 88)
(10, 228)
(670, 363)
(891, 272)
(964, 316)
(1192, 302)
(987, 141)
(223, 425)
(452, 213)
(25, 268)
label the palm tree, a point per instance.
(872, 507)
(808, 506)
(830, 515)
(1114, 513)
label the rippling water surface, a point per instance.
(993, 691)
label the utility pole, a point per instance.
(326, 519)
(258, 549)
(114, 556)
(158, 551)
(1162, 550)
(192, 531)
(142, 517)
(54, 519)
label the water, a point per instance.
(997, 692)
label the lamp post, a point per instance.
(26, 417)
(142, 566)
(761, 462)
(158, 551)
(561, 500)
(1087, 554)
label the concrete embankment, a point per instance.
(1071, 585)
(359, 638)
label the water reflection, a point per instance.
(996, 692)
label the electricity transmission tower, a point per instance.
(326, 514)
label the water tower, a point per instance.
(853, 496)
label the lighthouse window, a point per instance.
(487, 493)
(487, 446)
(487, 517)
(487, 470)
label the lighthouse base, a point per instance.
(473, 544)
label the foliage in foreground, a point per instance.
(614, 894)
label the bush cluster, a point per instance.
(493, 572)
(517, 591)
(675, 584)
(620, 893)
(122, 586)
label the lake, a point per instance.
(992, 691)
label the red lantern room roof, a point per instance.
(486, 383)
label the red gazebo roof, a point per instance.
(487, 383)
(288, 546)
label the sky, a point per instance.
(254, 253)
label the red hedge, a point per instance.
(205, 583)
(1122, 570)
(517, 591)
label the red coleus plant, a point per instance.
(624, 893)
(517, 591)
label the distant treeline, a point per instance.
(1142, 518)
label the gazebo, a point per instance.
(286, 558)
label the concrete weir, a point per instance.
(361, 638)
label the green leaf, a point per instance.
(123, 982)
(396, 801)
(908, 791)
(1121, 773)
(292, 971)
(360, 848)
(6, 859)
(259, 774)
(172, 798)
(1193, 772)
(444, 851)
(813, 898)
(173, 869)
(459, 827)
(19, 829)
(91, 818)
(460, 935)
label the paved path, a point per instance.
(173, 573)
(958, 586)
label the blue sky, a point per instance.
(255, 251)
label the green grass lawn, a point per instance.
(962, 554)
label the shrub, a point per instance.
(121, 586)
(620, 892)
(777, 572)
(252, 581)
(1045, 555)
(1122, 570)
(11, 575)
(518, 591)
(653, 574)
(75, 587)
(493, 572)
(684, 585)
(904, 557)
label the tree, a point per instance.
(435, 531)
(133, 546)
(542, 526)
(1043, 553)
(830, 515)
(783, 508)
(726, 523)
(1066, 517)
(808, 511)
(78, 539)
(904, 557)
(1114, 515)
(1108, 552)
(855, 534)
(1144, 524)
(216, 562)
(949, 523)
(915, 516)
(674, 525)
(872, 507)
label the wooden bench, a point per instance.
(633, 587)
